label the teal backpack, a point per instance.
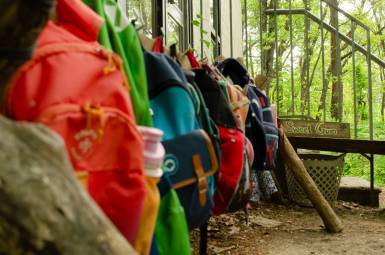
(170, 100)
(191, 159)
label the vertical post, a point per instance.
(191, 28)
(370, 96)
(246, 35)
(203, 239)
(165, 20)
(127, 8)
(157, 14)
(260, 35)
(218, 31)
(323, 62)
(291, 58)
(216, 26)
(370, 99)
(307, 60)
(338, 60)
(353, 28)
(186, 24)
(231, 29)
(372, 198)
(201, 27)
(276, 54)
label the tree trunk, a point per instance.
(328, 76)
(268, 28)
(308, 49)
(314, 70)
(383, 93)
(272, 70)
(305, 67)
(324, 92)
(282, 47)
(43, 209)
(337, 95)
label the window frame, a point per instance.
(182, 15)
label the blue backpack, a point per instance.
(271, 131)
(190, 159)
(255, 129)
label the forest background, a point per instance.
(315, 77)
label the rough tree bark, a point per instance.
(337, 86)
(305, 67)
(283, 45)
(268, 29)
(268, 68)
(305, 64)
(328, 75)
(43, 209)
(382, 77)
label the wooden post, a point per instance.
(332, 222)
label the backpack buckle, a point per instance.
(202, 180)
(95, 112)
(114, 63)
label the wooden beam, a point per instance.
(332, 222)
(339, 145)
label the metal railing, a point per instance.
(357, 29)
(349, 40)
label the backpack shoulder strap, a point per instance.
(163, 72)
(114, 62)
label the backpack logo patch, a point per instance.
(171, 164)
(84, 143)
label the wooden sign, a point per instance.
(306, 128)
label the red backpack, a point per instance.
(232, 141)
(77, 88)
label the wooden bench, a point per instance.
(366, 148)
(303, 136)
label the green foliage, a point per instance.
(197, 22)
(357, 165)
(368, 12)
(361, 81)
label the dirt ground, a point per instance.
(293, 230)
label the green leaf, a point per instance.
(207, 43)
(196, 23)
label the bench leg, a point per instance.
(373, 195)
(373, 199)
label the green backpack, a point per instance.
(171, 232)
(119, 35)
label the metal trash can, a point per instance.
(326, 171)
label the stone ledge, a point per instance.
(355, 189)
